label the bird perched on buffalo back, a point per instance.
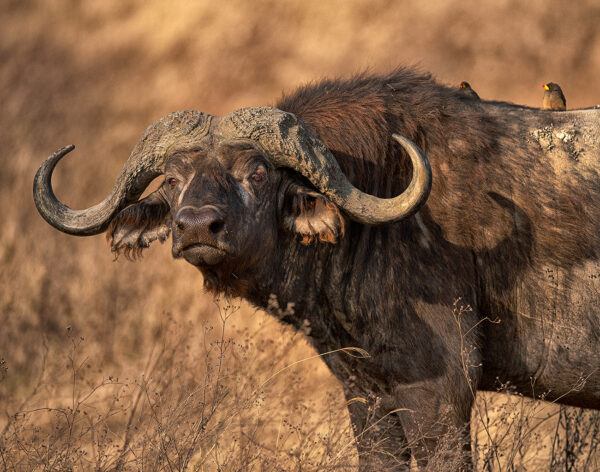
(554, 98)
(465, 88)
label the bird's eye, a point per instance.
(172, 182)
(259, 174)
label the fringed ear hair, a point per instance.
(135, 227)
(312, 216)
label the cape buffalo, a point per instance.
(500, 210)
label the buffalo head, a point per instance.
(232, 185)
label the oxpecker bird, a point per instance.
(465, 87)
(554, 98)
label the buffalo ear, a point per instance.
(135, 227)
(312, 216)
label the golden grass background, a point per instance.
(97, 73)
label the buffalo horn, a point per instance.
(146, 162)
(289, 143)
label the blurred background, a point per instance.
(95, 74)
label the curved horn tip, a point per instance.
(420, 161)
(57, 155)
(52, 210)
(44, 173)
(63, 151)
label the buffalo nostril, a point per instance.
(200, 225)
(216, 226)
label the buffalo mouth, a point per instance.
(202, 254)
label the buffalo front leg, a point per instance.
(379, 435)
(435, 391)
(437, 428)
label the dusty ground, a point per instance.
(96, 73)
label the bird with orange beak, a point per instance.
(465, 87)
(554, 98)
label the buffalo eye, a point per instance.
(172, 182)
(259, 174)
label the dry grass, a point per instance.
(95, 74)
(201, 403)
(207, 402)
